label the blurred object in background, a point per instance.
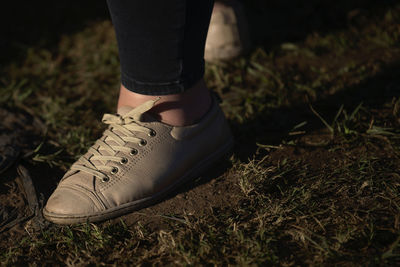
(20, 133)
(228, 35)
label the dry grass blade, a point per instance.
(322, 119)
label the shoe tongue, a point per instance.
(147, 117)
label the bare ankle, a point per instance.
(178, 109)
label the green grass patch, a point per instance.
(314, 179)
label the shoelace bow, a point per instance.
(114, 140)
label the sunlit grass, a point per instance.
(316, 164)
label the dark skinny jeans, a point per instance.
(161, 43)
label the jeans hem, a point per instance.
(159, 88)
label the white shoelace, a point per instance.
(115, 139)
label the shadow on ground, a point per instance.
(218, 190)
(273, 126)
(42, 24)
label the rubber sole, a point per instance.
(126, 208)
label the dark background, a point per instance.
(41, 23)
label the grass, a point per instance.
(314, 179)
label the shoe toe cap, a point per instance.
(67, 201)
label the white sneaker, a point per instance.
(136, 162)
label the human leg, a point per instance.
(161, 46)
(145, 153)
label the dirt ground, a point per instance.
(314, 178)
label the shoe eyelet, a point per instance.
(114, 170)
(142, 142)
(133, 152)
(105, 179)
(123, 161)
(152, 133)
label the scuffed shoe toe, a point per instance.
(68, 202)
